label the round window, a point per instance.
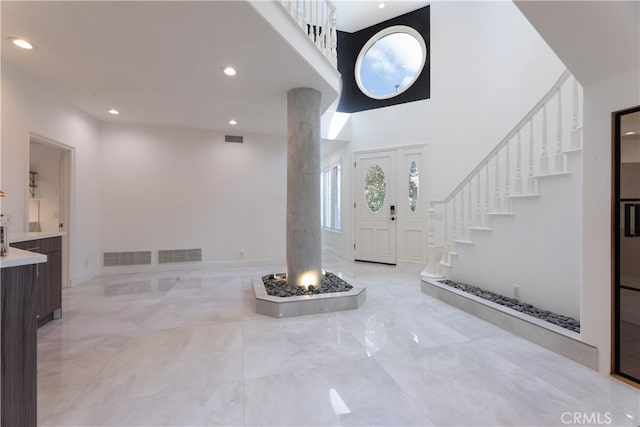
(390, 62)
(375, 188)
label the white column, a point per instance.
(304, 256)
(432, 269)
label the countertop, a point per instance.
(25, 237)
(17, 257)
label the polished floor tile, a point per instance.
(186, 348)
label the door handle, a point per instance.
(393, 218)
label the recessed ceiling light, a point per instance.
(380, 5)
(230, 71)
(113, 111)
(233, 122)
(630, 133)
(21, 43)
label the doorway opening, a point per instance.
(626, 243)
(390, 206)
(49, 197)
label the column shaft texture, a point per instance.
(304, 245)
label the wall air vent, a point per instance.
(112, 259)
(234, 138)
(179, 255)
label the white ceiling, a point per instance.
(354, 15)
(160, 62)
(594, 39)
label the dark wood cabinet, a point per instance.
(48, 277)
(18, 346)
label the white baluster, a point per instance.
(300, 10)
(506, 205)
(485, 220)
(463, 224)
(334, 40)
(576, 131)
(559, 158)
(531, 183)
(544, 159)
(432, 269)
(496, 189)
(479, 221)
(453, 224)
(469, 213)
(317, 24)
(445, 248)
(518, 180)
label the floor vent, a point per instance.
(234, 138)
(112, 259)
(179, 255)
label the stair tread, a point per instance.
(552, 174)
(572, 150)
(466, 242)
(524, 196)
(481, 228)
(500, 213)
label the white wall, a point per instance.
(30, 107)
(615, 93)
(537, 249)
(168, 188)
(488, 68)
(45, 160)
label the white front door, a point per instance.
(375, 207)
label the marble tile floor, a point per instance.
(187, 349)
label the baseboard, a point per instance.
(159, 268)
(75, 281)
(545, 334)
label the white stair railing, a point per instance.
(317, 18)
(493, 192)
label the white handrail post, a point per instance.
(518, 180)
(431, 271)
(559, 159)
(576, 131)
(544, 159)
(531, 183)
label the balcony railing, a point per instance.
(317, 18)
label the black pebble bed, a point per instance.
(278, 287)
(557, 319)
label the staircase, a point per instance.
(515, 220)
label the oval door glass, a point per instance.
(375, 188)
(413, 186)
